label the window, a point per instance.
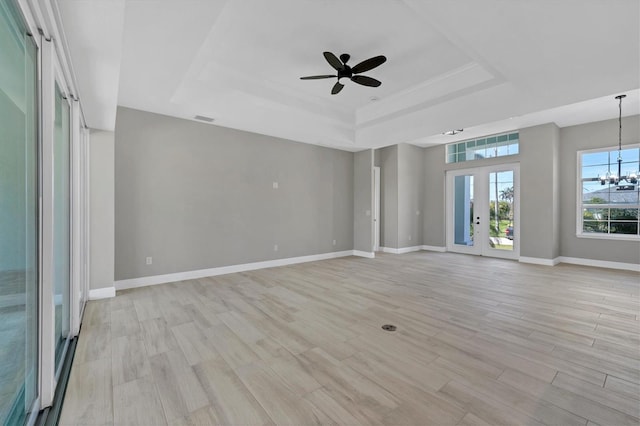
(609, 201)
(486, 147)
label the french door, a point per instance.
(483, 209)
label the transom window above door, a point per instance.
(485, 147)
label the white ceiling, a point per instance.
(482, 65)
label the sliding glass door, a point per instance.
(18, 218)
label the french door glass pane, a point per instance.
(501, 235)
(61, 226)
(463, 210)
(18, 219)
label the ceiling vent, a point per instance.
(203, 118)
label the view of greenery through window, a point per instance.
(608, 208)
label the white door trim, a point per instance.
(376, 208)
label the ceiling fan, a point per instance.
(347, 72)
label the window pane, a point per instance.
(589, 172)
(595, 227)
(490, 152)
(595, 159)
(595, 214)
(629, 168)
(624, 194)
(502, 150)
(624, 228)
(463, 210)
(18, 219)
(595, 193)
(628, 155)
(624, 214)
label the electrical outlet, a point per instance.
(275, 247)
(334, 242)
(149, 260)
(275, 185)
(409, 237)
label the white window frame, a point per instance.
(579, 204)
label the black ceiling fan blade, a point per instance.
(366, 81)
(317, 77)
(369, 64)
(336, 88)
(333, 61)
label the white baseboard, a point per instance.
(401, 250)
(600, 263)
(434, 248)
(366, 254)
(539, 261)
(222, 270)
(102, 293)
(581, 261)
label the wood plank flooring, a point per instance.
(479, 341)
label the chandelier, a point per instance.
(613, 178)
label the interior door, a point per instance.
(483, 211)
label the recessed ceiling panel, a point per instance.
(451, 64)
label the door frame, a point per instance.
(481, 208)
(376, 208)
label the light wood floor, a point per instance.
(479, 341)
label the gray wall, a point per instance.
(539, 203)
(389, 196)
(411, 187)
(600, 134)
(433, 214)
(402, 195)
(102, 211)
(363, 201)
(195, 196)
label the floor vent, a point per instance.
(389, 327)
(203, 118)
